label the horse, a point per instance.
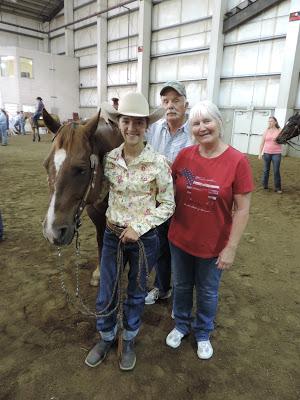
(75, 172)
(40, 124)
(290, 130)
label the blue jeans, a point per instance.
(35, 117)
(163, 266)
(275, 159)
(189, 272)
(20, 126)
(3, 133)
(133, 306)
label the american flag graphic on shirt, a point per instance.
(202, 193)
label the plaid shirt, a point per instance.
(160, 138)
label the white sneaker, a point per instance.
(152, 296)
(174, 338)
(205, 350)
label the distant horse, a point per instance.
(290, 130)
(75, 172)
(40, 124)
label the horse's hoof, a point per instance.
(94, 281)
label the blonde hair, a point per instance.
(206, 107)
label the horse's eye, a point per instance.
(79, 171)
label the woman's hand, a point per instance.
(129, 235)
(226, 257)
(260, 156)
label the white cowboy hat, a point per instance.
(133, 104)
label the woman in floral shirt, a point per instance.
(141, 197)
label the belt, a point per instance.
(117, 229)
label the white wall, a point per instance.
(55, 79)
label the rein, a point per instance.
(118, 289)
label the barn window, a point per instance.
(26, 67)
(7, 66)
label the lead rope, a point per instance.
(118, 290)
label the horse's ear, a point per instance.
(51, 124)
(91, 126)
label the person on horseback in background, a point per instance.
(141, 197)
(37, 114)
(38, 111)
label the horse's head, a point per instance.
(71, 165)
(290, 130)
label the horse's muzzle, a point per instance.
(59, 235)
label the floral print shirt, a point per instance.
(141, 193)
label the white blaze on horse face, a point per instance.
(59, 158)
(48, 227)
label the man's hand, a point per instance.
(129, 235)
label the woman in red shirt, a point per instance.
(271, 152)
(213, 182)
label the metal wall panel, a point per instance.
(78, 3)
(183, 67)
(57, 45)
(18, 37)
(245, 93)
(88, 97)
(89, 9)
(253, 58)
(87, 112)
(172, 12)
(85, 52)
(120, 10)
(122, 49)
(88, 77)
(57, 22)
(269, 23)
(88, 60)
(119, 74)
(120, 27)
(184, 37)
(19, 40)
(297, 103)
(85, 37)
(120, 91)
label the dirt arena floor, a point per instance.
(44, 340)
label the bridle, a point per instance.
(94, 160)
(296, 132)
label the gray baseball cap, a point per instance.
(176, 85)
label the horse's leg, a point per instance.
(33, 129)
(97, 215)
(38, 133)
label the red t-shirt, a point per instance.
(204, 198)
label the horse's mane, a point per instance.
(65, 136)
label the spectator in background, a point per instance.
(19, 124)
(270, 151)
(38, 110)
(4, 125)
(115, 102)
